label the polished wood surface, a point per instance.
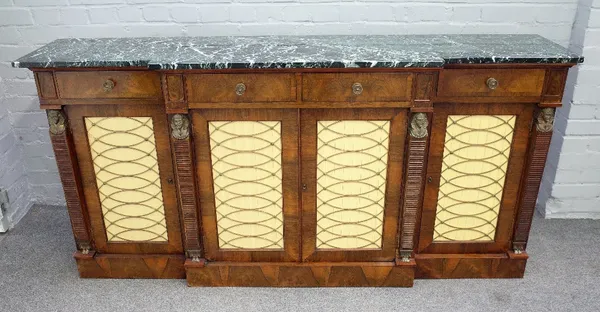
(298, 98)
(45, 85)
(130, 266)
(88, 85)
(416, 154)
(186, 186)
(320, 274)
(290, 187)
(472, 82)
(215, 88)
(381, 87)
(76, 116)
(309, 119)
(173, 87)
(509, 265)
(70, 177)
(539, 144)
(508, 204)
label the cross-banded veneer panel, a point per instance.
(476, 153)
(351, 178)
(246, 165)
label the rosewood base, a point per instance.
(94, 265)
(282, 274)
(345, 274)
(508, 265)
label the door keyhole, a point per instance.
(304, 187)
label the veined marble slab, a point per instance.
(297, 52)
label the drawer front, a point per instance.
(108, 84)
(342, 87)
(491, 82)
(243, 88)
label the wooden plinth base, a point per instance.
(93, 265)
(343, 274)
(284, 274)
(508, 265)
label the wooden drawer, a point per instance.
(108, 84)
(228, 88)
(473, 82)
(347, 87)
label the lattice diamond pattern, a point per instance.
(476, 154)
(123, 151)
(351, 178)
(247, 179)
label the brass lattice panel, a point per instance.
(247, 179)
(476, 153)
(351, 178)
(123, 151)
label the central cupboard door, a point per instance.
(247, 165)
(351, 163)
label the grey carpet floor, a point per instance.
(37, 273)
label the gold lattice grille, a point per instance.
(124, 155)
(247, 179)
(351, 177)
(476, 153)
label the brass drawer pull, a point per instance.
(492, 83)
(108, 85)
(357, 88)
(240, 88)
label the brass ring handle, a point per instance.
(492, 83)
(357, 88)
(108, 85)
(240, 88)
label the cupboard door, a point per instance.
(476, 159)
(351, 175)
(125, 160)
(247, 166)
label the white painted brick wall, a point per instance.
(13, 177)
(571, 186)
(28, 24)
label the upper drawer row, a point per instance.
(284, 87)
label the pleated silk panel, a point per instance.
(123, 151)
(247, 180)
(352, 160)
(476, 153)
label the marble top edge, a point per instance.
(256, 52)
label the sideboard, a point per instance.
(301, 161)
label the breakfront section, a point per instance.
(490, 133)
(474, 167)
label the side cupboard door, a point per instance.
(125, 161)
(351, 183)
(476, 158)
